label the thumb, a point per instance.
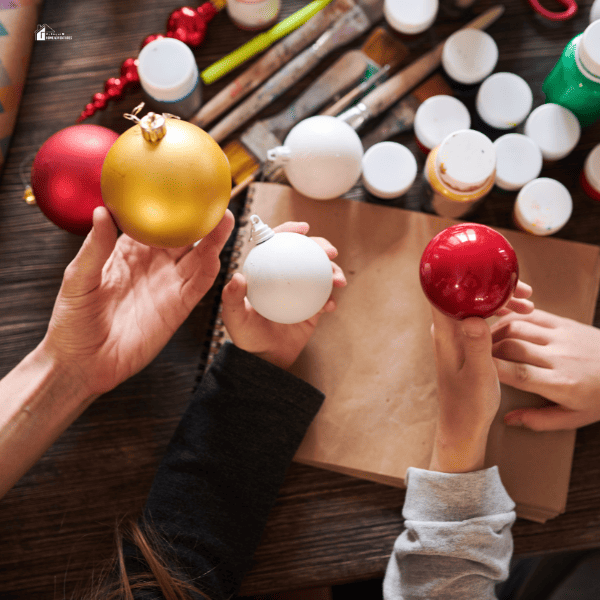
(477, 344)
(546, 418)
(84, 272)
(233, 300)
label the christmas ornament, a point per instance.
(321, 157)
(469, 270)
(289, 276)
(65, 177)
(166, 182)
(186, 24)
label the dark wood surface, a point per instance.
(56, 524)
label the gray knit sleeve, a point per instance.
(457, 542)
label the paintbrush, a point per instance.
(401, 116)
(270, 62)
(248, 154)
(261, 42)
(347, 28)
(386, 94)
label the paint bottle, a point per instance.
(388, 170)
(574, 82)
(543, 206)
(410, 17)
(169, 76)
(468, 57)
(460, 172)
(504, 100)
(437, 118)
(590, 174)
(252, 15)
(595, 11)
(518, 161)
(555, 129)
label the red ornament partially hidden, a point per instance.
(65, 176)
(469, 270)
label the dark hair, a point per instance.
(115, 583)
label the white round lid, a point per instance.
(439, 116)
(466, 159)
(592, 167)
(555, 129)
(388, 169)
(410, 16)
(518, 161)
(504, 100)
(167, 69)
(469, 55)
(588, 49)
(543, 206)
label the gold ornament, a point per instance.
(166, 182)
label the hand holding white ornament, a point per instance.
(278, 343)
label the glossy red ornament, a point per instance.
(65, 176)
(469, 270)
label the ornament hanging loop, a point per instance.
(153, 125)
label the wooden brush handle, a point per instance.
(350, 26)
(346, 71)
(400, 84)
(271, 61)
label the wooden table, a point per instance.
(57, 522)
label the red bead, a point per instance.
(187, 25)
(469, 270)
(90, 108)
(151, 38)
(114, 87)
(129, 72)
(100, 100)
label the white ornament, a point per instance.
(289, 276)
(322, 157)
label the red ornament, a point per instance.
(65, 176)
(186, 24)
(469, 270)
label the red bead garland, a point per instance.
(186, 24)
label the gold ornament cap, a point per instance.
(153, 125)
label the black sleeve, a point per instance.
(224, 465)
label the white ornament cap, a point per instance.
(504, 100)
(465, 160)
(555, 129)
(518, 161)
(410, 16)
(439, 116)
(588, 49)
(260, 231)
(543, 206)
(591, 167)
(167, 69)
(469, 55)
(388, 170)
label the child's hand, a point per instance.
(468, 392)
(555, 357)
(277, 343)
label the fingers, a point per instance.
(520, 329)
(293, 226)
(520, 306)
(447, 352)
(477, 345)
(522, 351)
(233, 299)
(523, 290)
(529, 378)
(547, 418)
(84, 273)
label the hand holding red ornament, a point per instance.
(121, 301)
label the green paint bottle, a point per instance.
(574, 82)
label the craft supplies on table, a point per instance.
(555, 130)
(504, 100)
(388, 170)
(469, 56)
(410, 17)
(518, 161)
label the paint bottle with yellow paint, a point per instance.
(460, 171)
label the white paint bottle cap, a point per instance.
(591, 167)
(504, 100)
(410, 16)
(543, 206)
(438, 117)
(518, 161)
(469, 55)
(588, 50)
(167, 69)
(466, 160)
(555, 129)
(388, 170)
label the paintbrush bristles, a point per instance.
(242, 163)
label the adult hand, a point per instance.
(468, 392)
(555, 357)
(519, 302)
(121, 301)
(277, 343)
